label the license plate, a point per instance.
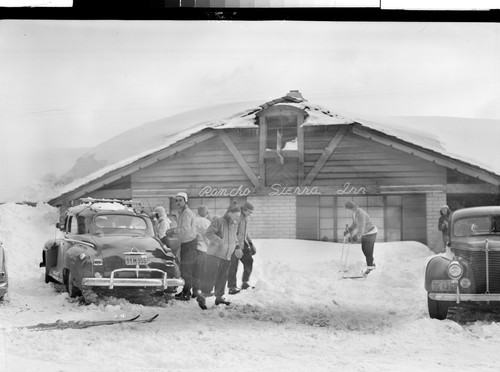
(443, 286)
(136, 260)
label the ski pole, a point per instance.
(344, 266)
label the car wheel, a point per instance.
(73, 290)
(437, 309)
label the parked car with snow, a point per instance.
(4, 278)
(470, 274)
(109, 244)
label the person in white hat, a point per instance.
(186, 229)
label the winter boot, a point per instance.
(369, 269)
(234, 290)
(245, 285)
(183, 296)
(221, 300)
(201, 301)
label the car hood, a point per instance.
(477, 243)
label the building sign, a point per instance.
(347, 189)
(279, 190)
(209, 191)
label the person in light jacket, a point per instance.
(186, 229)
(223, 242)
(202, 222)
(163, 223)
(249, 250)
(362, 228)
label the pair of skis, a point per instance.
(80, 324)
(343, 261)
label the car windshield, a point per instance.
(471, 226)
(117, 224)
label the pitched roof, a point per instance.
(144, 141)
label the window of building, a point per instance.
(282, 132)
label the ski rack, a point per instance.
(135, 204)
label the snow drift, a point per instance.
(299, 316)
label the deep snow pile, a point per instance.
(299, 316)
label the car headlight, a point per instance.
(455, 270)
(465, 282)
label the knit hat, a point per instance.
(247, 206)
(202, 211)
(234, 208)
(349, 205)
(182, 195)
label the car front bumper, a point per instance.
(112, 282)
(481, 297)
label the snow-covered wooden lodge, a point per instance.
(297, 162)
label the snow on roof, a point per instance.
(152, 137)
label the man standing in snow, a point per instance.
(443, 223)
(202, 223)
(362, 229)
(223, 243)
(248, 251)
(187, 235)
(162, 223)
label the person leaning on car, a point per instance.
(162, 223)
(444, 222)
(364, 229)
(186, 230)
(223, 243)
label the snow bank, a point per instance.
(299, 316)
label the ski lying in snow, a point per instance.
(354, 277)
(361, 275)
(80, 324)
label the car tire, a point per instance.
(438, 309)
(73, 290)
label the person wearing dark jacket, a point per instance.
(223, 243)
(248, 251)
(362, 228)
(444, 222)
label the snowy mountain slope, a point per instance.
(299, 316)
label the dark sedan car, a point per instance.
(470, 273)
(109, 244)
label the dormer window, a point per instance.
(282, 132)
(281, 144)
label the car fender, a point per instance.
(436, 270)
(79, 262)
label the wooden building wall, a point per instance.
(210, 162)
(363, 161)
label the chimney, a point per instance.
(295, 94)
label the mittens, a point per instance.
(238, 252)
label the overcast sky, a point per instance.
(78, 83)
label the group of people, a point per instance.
(210, 250)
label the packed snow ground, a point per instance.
(300, 316)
